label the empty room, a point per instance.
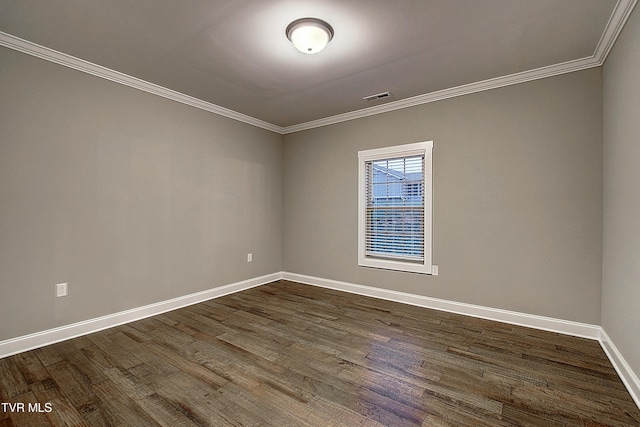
(319, 213)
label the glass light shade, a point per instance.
(309, 35)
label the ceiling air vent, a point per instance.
(376, 96)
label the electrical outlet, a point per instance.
(61, 289)
(249, 257)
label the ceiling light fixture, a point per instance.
(309, 35)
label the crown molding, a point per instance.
(614, 26)
(512, 79)
(42, 52)
(611, 32)
(616, 22)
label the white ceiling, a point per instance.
(234, 54)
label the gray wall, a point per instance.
(517, 196)
(128, 197)
(134, 199)
(621, 261)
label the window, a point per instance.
(395, 207)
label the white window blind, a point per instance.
(395, 208)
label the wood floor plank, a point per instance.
(265, 412)
(444, 413)
(12, 383)
(193, 399)
(164, 413)
(64, 414)
(287, 354)
(48, 355)
(186, 365)
(123, 356)
(120, 407)
(76, 362)
(26, 417)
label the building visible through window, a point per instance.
(395, 208)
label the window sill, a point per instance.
(408, 267)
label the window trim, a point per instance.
(419, 148)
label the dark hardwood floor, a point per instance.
(287, 354)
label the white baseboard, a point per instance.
(29, 342)
(566, 327)
(621, 366)
(51, 336)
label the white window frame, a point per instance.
(416, 149)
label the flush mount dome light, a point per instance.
(309, 35)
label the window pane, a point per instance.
(395, 208)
